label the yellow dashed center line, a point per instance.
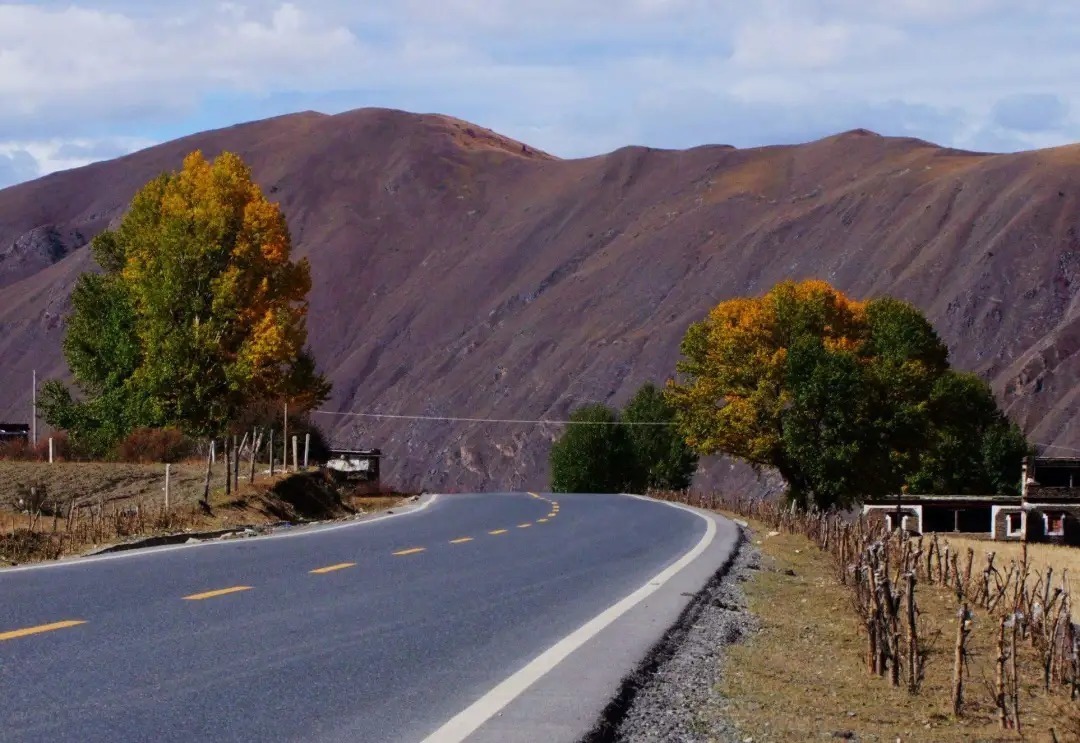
(497, 532)
(214, 594)
(552, 515)
(463, 540)
(541, 521)
(524, 526)
(332, 568)
(13, 634)
(412, 551)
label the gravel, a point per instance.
(673, 696)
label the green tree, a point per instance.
(662, 459)
(594, 455)
(973, 447)
(834, 447)
(844, 398)
(200, 312)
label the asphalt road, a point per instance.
(382, 631)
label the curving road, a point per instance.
(476, 617)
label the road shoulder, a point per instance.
(568, 701)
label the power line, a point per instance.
(1056, 446)
(519, 421)
(538, 421)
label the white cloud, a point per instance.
(168, 61)
(568, 76)
(787, 42)
(21, 161)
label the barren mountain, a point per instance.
(459, 273)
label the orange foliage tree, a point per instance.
(842, 397)
(205, 311)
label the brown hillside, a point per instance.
(460, 273)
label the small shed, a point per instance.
(356, 465)
(1051, 491)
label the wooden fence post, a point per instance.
(236, 464)
(256, 443)
(206, 481)
(228, 469)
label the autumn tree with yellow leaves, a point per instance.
(200, 312)
(844, 398)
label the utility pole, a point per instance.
(33, 406)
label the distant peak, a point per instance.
(860, 132)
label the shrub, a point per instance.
(594, 455)
(151, 445)
(21, 450)
(16, 450)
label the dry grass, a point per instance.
(97, 482)
(803, 677)
(1040, 556)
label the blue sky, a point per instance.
(83, 80)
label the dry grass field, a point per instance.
(803, 676)
(1064, 560)
(89, 505)
(106, 482)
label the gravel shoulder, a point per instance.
(674, 694)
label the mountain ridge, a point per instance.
(471, 275)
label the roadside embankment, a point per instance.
(109, 507)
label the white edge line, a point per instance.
(466, 722)
(148, 551)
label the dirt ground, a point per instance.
(803, 676)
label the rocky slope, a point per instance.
(459, 273)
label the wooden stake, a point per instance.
(228, 469)
(206, 482)
(256, 443)
(914, 659)
(999, 678)
(967, 568)
(959, 658)
(1015, 676)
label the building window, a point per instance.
(1014, 524)
(1055, 524)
